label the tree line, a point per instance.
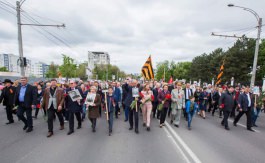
(238, 62)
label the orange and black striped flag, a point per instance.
(147, 69)
(220, 74)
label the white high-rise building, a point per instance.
(33, 68)
(97, 58)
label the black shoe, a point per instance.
(250, 129)
(136, 131)
(234, 124)
(130, 128)
(189, 128)
(220, 117)
(255, 125)
(144, 125)
(222, 124)
(25, 127)
(49, 134)
(227, 128)
(29, 130)
(213, 115)
(70, 132)
(171, 121)
(35, 117)
(79, 127)
(116, 116)
(125, 120)
(10, 122)
(109, 133)
(176, 126)
(93, 130)
(148, 128)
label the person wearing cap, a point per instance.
(53, 100)
(26, 99)
(177, 104)
(7, 96)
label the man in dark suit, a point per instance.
(245, 104)
(156, 91)
(8, 94)
(216, 96)
(26, 99)
(74, 107)
(187, 92)
(133, 114)
(226, 103)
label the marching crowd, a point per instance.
(150, 99)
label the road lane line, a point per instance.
(176, 144)
(239, 124)
(184, 145)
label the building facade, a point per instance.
(96, 58)
(33, 68)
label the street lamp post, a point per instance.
(253, 75)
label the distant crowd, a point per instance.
(111, 99)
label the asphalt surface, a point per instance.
(206, 142)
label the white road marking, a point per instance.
(239, 124)
(178, 147)
(183, 144)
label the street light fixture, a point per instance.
(253, 75)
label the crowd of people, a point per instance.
(151, 99)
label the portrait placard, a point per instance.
(75, 95)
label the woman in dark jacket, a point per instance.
(165, 102)
(93, 110)
(39, 97)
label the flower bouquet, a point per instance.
(167, 98)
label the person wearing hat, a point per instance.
(7, 97)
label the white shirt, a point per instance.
(249, 100)
(188, 93)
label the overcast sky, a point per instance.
(129, 30)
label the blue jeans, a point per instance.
(110, 120)
(255, 115)
(190, 115)
(84, 112)
(126, 112)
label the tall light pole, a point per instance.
(253, 75)
(20, 46)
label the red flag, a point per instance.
(170, 80)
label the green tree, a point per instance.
(81, 71)
(68, 68)
(3, 69)
(100, 72)
(53, 71)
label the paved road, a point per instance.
(206, 142)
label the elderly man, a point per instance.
(245, 104)
(74, 107)
(177, 104)
(133, 113)
(53, 100)
(26, 99)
